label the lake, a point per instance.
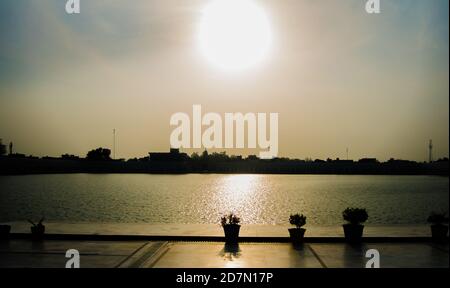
(203, 198)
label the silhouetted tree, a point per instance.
(69, 157)
(99, 154)
(205, 155)
(195, 156)
(219, 157)
(252, 157)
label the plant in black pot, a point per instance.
(438, 228)
(297, 233)
(354, 229)
(37, 230)
(231, 227)
(4, 232)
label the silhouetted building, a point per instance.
(368, 161)
(17, 155)
(2, 148)
(173, 155)
(398, 161)
(430, 152)
(344, 162)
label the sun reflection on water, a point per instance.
(238, 194)
(240, 185)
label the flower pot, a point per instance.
(37, 232)
(353, 233)
(439, 232)
(4, 232)
(297, 235)
(231, 233)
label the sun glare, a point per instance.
(234, 35)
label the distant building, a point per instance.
(343, 161)
(399, 161)
(368, 161)
(173, 155)
(2, 148)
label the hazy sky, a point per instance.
(337, 76)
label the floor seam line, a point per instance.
(153, 262)
(131, 255)
(317, 257)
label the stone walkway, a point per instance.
(214, 230)
(163, 254)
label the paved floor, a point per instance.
(161, 254)
(52, 254)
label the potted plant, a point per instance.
(438, 228)
(353, 230)
(4, 232)
(37, 230)
(297, 233)
(231, 227)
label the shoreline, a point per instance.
(278, 166)
(212, 231)
(218, 173)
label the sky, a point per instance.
(377, 84)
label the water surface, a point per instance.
(195, 198)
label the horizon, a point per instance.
(210, 152)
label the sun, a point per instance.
(234, 35)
